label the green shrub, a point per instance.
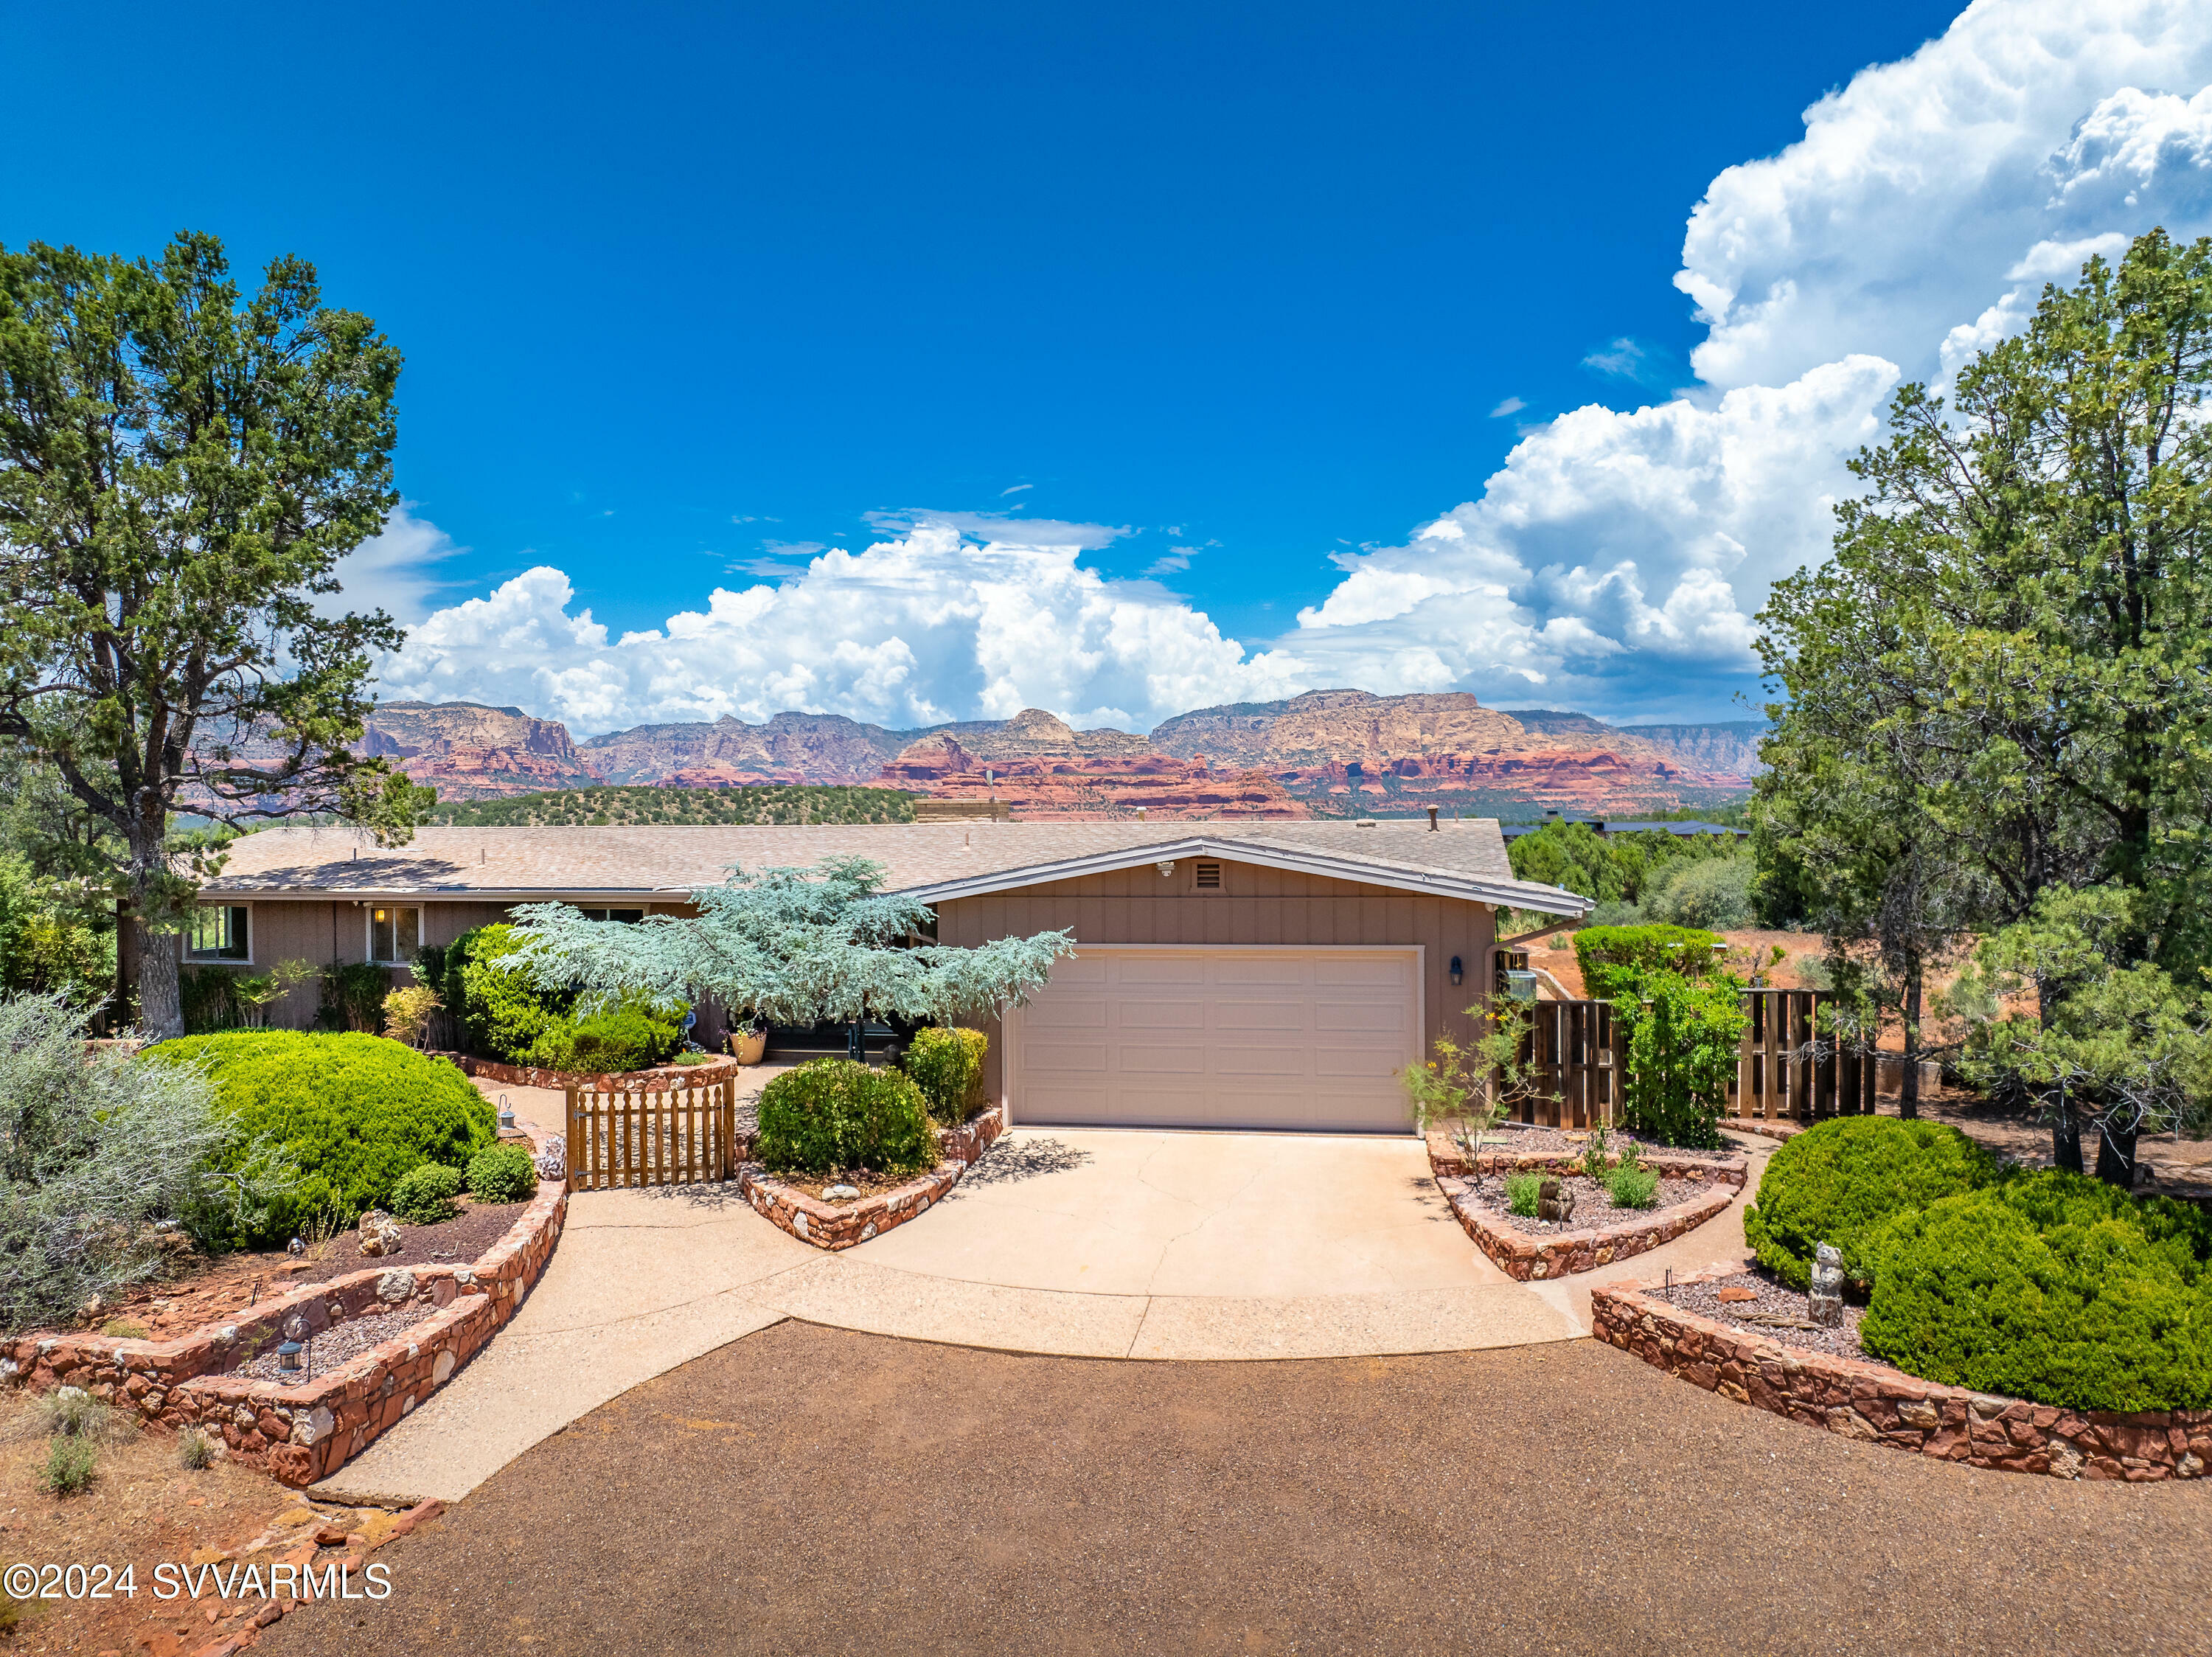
(1836, 1183)
(835, 1114)
(353, 997)
(1522, 1191)
(195, 1449)
(351, 1112)
(2089, 1312)
(1713, 894)
(1632, 1187)
(70, 1464)
(628, 1039)
(947, 1065)
(502, 1012)
(425, 1195)
(1616, 959)
(1683, 1036)
(72, 1412)
(504, 1173)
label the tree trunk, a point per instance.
(2066, 1137)
(2115, 1155)
(1908, 1084)
(161, 1007)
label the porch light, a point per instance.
(1456, 969)
(1167, 870)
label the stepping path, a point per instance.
(1063, 1242)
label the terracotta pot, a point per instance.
(748, 1048)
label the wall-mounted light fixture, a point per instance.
(1166, 869)
(1456, 970)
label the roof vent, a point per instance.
(1209, 876)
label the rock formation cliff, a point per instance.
(470, 752)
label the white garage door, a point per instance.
(1221, 1038)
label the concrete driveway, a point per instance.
(1128, 1211)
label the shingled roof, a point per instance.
(933, 861)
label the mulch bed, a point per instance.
(203, 1290)
(1773, 1300)
(867, 1181)
(339, 1343)
(1593, 1204)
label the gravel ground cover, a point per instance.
(341, 1341)
(1773, 1299)
(1593, 1204)
(809, 1490)
(1546, 1141)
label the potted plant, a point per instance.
(748, 1039)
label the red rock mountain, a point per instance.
(471, 752)
(1327, 751)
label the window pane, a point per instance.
(217, 932)
(410, 929)
(379, 933)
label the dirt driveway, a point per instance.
(815, 1490)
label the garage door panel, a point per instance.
(1263, 1015)
(1286, 1038)
(1152, 1059)
(1134, 971)
(1188, 1014)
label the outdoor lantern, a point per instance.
(1456, 969)
(506, 1113)
(287, 1357)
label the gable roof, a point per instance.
(934, 862)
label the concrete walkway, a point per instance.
(1063, 1242)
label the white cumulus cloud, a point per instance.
(955, 615)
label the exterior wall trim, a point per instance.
(1515, 894)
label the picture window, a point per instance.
(395, 933)
(219, 932)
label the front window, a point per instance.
(395, 933)
(628, 916)
(218, 933)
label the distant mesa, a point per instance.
(1326, 753)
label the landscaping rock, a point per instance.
(1826, 1303)
(840, 1194)
(394, 1286)
(380, 1234)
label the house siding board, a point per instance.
(1256, 906)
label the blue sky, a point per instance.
(1127, 333)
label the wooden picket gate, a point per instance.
(1787, 1070)
(667, 1136)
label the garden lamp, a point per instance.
(506, 1112)
(287, 1357)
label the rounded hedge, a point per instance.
(2086, 1309)
(835, 1114)
(1837, 1182)
(628, 1039)
(425, 1194)
(947, 1065)
(352, 1112)
(504, 1173)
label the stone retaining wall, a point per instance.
(661, 1079)
(840, 1225)
(1876, 1404)
(1525, 1256)
(303, 1433)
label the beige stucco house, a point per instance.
(1253, 975)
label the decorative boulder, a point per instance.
(380, 1234)
(1555, 1201)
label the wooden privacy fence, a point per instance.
(663, 1136)
(1786, 1070)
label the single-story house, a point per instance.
(1255, 974)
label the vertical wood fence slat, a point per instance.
(622, 1136)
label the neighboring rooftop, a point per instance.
(1464, 859)
(1620, 825)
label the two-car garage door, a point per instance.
(1306, 1038)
